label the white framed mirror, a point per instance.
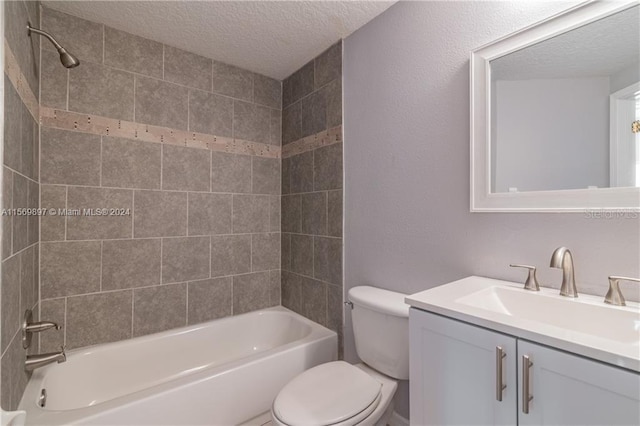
(553, 108)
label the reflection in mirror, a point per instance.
(562, 110)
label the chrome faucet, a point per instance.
(562, 259)
(37, 361)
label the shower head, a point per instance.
(67, 59)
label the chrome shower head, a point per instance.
(67, 59)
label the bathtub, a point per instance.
(223, 372)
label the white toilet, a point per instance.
(340, 394)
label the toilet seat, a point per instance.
(335, 393)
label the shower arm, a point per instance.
(45, 34)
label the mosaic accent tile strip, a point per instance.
(320, 139)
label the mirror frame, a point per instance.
(573, 200)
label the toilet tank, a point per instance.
(381, 328)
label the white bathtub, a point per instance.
(222, 372)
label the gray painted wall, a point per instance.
(406, 114)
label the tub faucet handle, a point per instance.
(29, 327)
(532, 281)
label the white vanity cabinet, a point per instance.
(457, 369)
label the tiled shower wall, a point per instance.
(200, 235)
(312, 191)
(20, 189)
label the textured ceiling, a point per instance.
(599, 49)
(267, 37)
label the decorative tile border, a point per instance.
(325, 138)
(19, 81)
(97, 125)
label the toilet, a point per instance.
(341, 394)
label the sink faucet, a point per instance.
(40, 360)
(562, 259)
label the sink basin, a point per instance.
(584, 325)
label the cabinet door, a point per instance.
(454, 373)
(570, 390)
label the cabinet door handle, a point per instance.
(499, 385)
(526, 396)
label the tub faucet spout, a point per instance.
(40, 360)
(562, 259)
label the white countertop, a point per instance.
(584, 325)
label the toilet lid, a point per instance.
(327, 394)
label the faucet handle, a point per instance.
(532, 282)
(614, 295)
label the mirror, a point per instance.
(553, 108)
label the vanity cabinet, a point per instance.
(464, 374)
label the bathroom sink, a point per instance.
(584, 325)
(572, 314)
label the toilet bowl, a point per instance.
(340, 394)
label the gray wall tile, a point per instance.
(232, 81)
(265, 252)
(13, 108)
(266, 176)
(185, 169)
(187, 68)
(302, 172)
(250, 292)
(14, 378)
(33, 221)
(130, 263)
(185, 259)
(292, 291)
(209, 214)
(314, 300)
(130, 164)
(251, 122)
(53, 310)
(210, 113)
(334, 212)
(230, 254)
(328, 65)
(285, 251)
(327, 259)
(7, 221)
(20, 200)
(10, 300)
(159, 214)
(333, 95)
(274, 285)
(132, 53)
(230, 172)
(314, 113)
(98, 318)
(334, 307)
(81, 37)
(209, 299)
(292, 123)
(90, 227)
(250, 213)
(25, 48)
(96, 89)
(302, 255)
(314, 213)
(298, 85)
(275, 218)
(70, 158)
(267, 91)
(68, 268)
(291, 213)
(30, 151)
(29, 293)
(159, 308)
(275, 135)
(160, 103)
(327, 167)
(53, 80)
(286, 176)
